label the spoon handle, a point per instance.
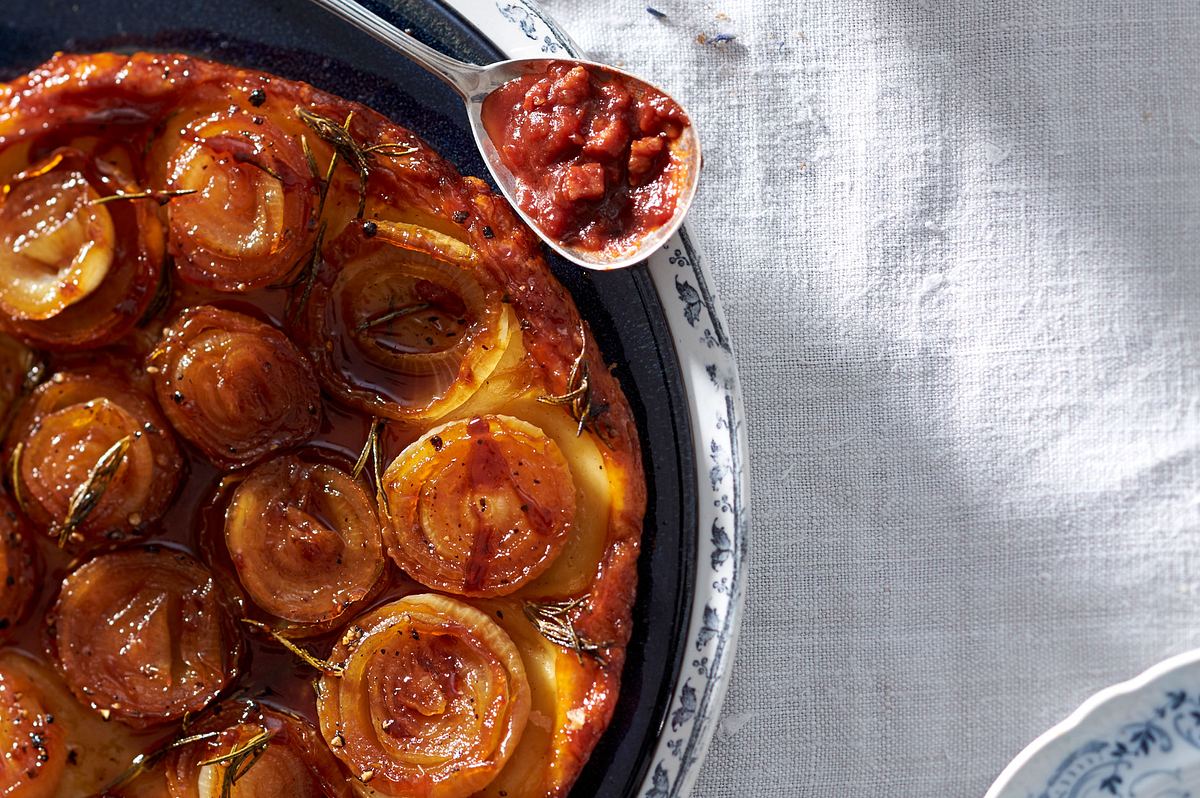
(462, 77)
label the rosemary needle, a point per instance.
(367, 449)
(553, 621)
(143, 762)
(87, 496)
(161, 196)
(309, 659)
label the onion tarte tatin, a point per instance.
(288, 402)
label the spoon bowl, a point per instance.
(476, 83)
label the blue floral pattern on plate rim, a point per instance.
(1136, 739)
(520, 29)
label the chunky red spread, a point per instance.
(591, 153)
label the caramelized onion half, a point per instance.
(33, 748)
(250, 219)
(18, 569)
(74, 271)
(65, 429)
(145, 634)
(304, 539)
(479, 507)
(431, 700)
(402, 324)
(235, 387)
(295, 762)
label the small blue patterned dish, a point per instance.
(1136, 739)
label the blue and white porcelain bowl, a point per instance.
(1136, 739)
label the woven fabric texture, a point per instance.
(959, 247)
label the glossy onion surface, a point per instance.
(401, 324)
(295, 761)
(65, 429)
(431, 701)
(74, 271)
(18, 568)
(479, 507)
(251, 219)
(235, 387)
(145, 634)
(34, 747)
(305, 540)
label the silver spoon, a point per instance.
(474, 83)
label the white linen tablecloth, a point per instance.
(959, 248)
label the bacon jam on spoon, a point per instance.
(286, 402)
(593, 152)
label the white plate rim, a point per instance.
(1038, 759)
(521, 29)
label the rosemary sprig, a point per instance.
(377, 467)
(145, 761)
(162, 197)
(392, 315)
(390, 149)
(578, 396)
(312, 160)
(256, 741)
(357, 156)
(309, 659)
(553, 620)
(344, 147)
(308, 275)
(367, 449)
(238, 760)
(89, 493)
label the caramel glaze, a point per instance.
(128, 98)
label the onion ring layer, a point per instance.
(235, 387)
(33, 748)
(479, 507)
(76, 271)
(305, 540)
(145, 635)
(250, 219)
(61, 438)
(402, 324)
(431, 698)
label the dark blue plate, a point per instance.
(294, 39)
